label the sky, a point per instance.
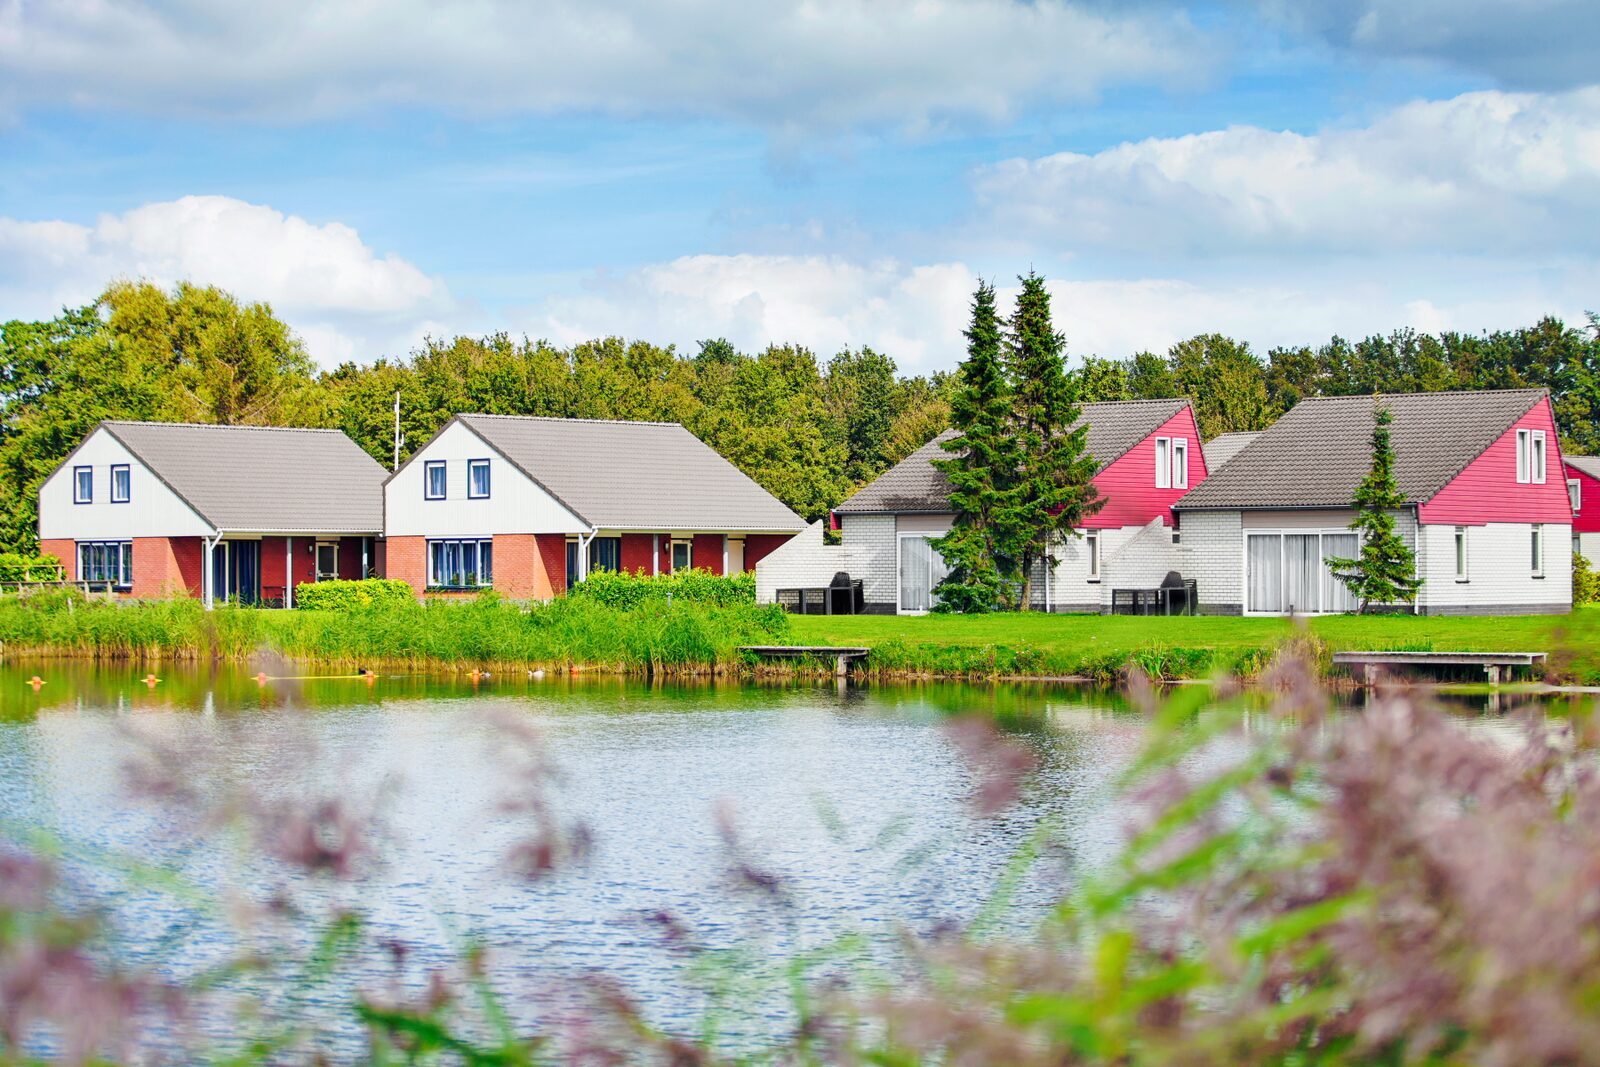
(822, 172)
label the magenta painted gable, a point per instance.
(1587, 517)
(1129, 482)
(1488, 490)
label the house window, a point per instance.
(1537, 544)
(1575, 494)
(433, 480)
(572, 563)
(1163, 463)
(82, 485)
(121, 480)
(1180, 463)
(477, 479)
(106, 561)
(605, 554)
(1091, 541)
(461, 564)
(1530, 457)
(1461, 553)
(1288, 573)
(682, 560)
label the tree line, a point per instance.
(809, 429)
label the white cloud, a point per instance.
(1536, 44)
(784, 64)
(345, 300)
(1487, 172)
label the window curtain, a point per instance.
(1336, 596)
(921, 569)
(1263, 554)
(1302, 573)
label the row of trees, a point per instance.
(810, 430)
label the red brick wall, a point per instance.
(638, 552)
(707, 552)
(167, 567)
(756, 547)
(64, 549)
(553, 551)
(519, 568)
(407, 560)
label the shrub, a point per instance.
(345, 596)
(1585, 582)
(18, 567)
(624, 590)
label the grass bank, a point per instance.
(682, 638)
(1098, 646)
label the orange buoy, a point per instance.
(151, 680)
(261, 679)
(36, 682)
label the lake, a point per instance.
(853, 799)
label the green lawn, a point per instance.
(1098, 644)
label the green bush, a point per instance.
(623, 590)
(18, 567)
(1585, 582)
(345, 596)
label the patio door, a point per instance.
(1289, 573)
(921, 570)
(236, 572)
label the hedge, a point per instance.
(17, 567)
(344, 596)
(623, 590)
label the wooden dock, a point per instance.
(1496, 665)
(842, 655)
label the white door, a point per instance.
(327, 560)
(735, 557)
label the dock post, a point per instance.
(841, 666)
(1493, 671)
(1369, 674)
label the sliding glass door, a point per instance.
(1287, 573)
(921, 570)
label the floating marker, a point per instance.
(151, 680)
(261, 679)
(36, 682)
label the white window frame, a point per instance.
(126, 470)
(1091, 541)
(1280, 532)
(1536, 546)
(688, 554)
(78, 487)
(1462, 559)
(1163, 463)
(1180, 463)
(316, 561)
(1524, 456)
(433, 574)
(1533, 459)
(899, 591)
(1575, 494)
(428, 467)
(472, 488)
(1539, 460)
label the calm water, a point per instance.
(854, 798)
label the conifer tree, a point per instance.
(982, 472)
(1055, 487)
(1386, 571)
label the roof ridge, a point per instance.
(564, 418)
(218, 426)
(1425, 392)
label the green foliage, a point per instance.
(1585, 582)
(349, 596)
(1386, 571)
(620, 589)
(980, 549)
(19, 567)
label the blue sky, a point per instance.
(827, 172)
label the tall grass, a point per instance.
(571, 633)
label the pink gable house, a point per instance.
(1149, 454)
(1487, 510)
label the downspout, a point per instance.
(210, 577)
(288, 572)
(583, 552)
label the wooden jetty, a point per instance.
(843, 655)
(1496, 665)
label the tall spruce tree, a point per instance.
(1055, 471)
(982, 470)
(1386, 570)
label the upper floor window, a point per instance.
(477, 479)
(82, 485)
(1575, 493)
(1172, 463)
(433, 480)
(121, 483)
(1530, 457)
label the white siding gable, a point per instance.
(152, 510)
(516, 503)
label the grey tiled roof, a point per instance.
(1589, 465)
(1317, 454)
(914, 484)
(260, 479)
(1225, 446)
(634, 475)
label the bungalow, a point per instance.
(1149, 456)
(529, 506)
(229, 513)
(1486, 510)
(1583, 486)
